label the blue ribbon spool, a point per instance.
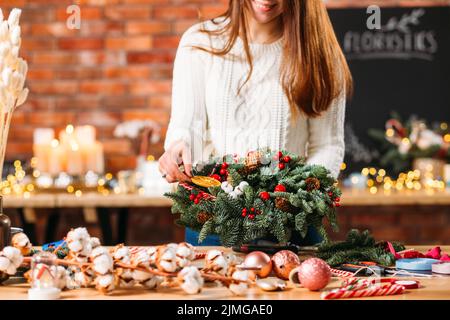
(416, 264)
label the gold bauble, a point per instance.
(259, 259)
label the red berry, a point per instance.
(196, 200)
(251, 216)
(280, 188)
(330, 194)
(279, 154)
(192, 197)
(264, 195)
(337, 199)
(244, 214)
(223, 172)
(217, 177)
(281, 166)
(252, 209)
(337, 204)
(287, 159)
(224, 165)
(244, 210)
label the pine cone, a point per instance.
(253, 160)
(283, 204)
(202, 217)
(312, 184)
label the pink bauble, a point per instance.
(314, 274)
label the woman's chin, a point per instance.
(265, 14)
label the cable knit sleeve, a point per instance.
(326, 137)
(188, 115)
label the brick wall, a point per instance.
(117, 67)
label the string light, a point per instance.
(447, 137)
(390, 132)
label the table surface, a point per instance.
(350, 197)
(436, 288)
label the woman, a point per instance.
(268, 73)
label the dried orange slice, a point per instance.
(205, 182)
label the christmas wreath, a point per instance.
(266, 194)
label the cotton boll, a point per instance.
(126, 283)
(141, 275)
(14, 16)
(233, 195)
(226, 186)
(240, 288)
(82, 233)
(82, 279)
(191, 280)
(185, 253)
(232, 259)
(151, 252)
(215, 261)
(4, 263)
(10, 252)
(153, 282)
(166, 259)
(122, 254)
(17, 260)
(75, 246)
(99, 251)
(243, 184)
(238, 191)
(94, 241)
(21, 242)
(11, 270)
(103, 264)
(105, 283)
(141, 258)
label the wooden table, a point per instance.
(437, 288)
(100, 204)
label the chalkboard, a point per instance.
(404, 66)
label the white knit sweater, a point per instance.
(211, 116)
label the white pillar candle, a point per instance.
(85, 135)
(74, 160)
(42, 138)
(67, 136)
(94, 158)
(56, 159)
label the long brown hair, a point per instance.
(314, 71)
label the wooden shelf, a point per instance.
(91, 200)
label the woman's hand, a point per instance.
(169, 163)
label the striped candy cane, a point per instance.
(372, 291)
(341, 273)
